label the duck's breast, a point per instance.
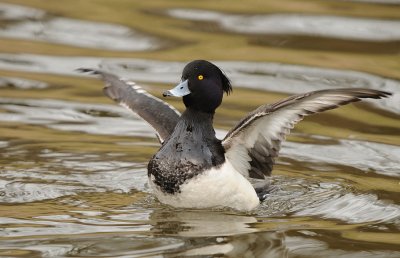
(220, 186)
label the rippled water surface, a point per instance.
(73, 164)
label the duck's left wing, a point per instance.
(255, 141)
(159, 114)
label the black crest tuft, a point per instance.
(226, 83)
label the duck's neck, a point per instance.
(199, 120)
(197, 115)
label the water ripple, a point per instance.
(74, 116)
(367, 156)
(303, 246)
(28, 185)
(34, 24)
(20, 83)
(354, 209)
(298, 24)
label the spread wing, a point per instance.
(255, 141)
(159, 114)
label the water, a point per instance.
(73, 164)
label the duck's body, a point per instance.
(190, 167)
(193, 169)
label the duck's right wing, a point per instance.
(253, 144)
(159, 114)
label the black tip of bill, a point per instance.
(167, 93)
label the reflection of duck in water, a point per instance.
(209, 233)
(195, 169)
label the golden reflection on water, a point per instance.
(73, 165)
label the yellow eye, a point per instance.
(200, 77)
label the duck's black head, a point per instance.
(202, 86)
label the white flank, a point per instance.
(214, 188)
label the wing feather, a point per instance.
(253, 144)
(159, 114)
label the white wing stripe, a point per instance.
(252, 145)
